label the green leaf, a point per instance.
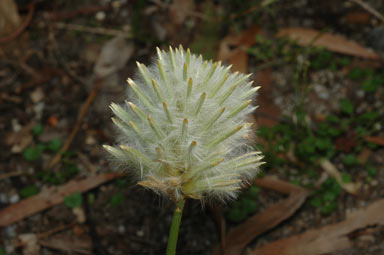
(322, 60)
(253, 192)
(333, 119)
(329, 195)
(250, 206)
(344, 61)
(29, 191)
(31, 153)
(346, 178)
(54, 145)
(37, 130)
(91, 198)
(350, 160)
(116, 200)
(356, 74)
(74, 200)
(2, 251)
(372, 171)
(316, 201)
(329, 207)
(346, 106)
(323, 144)
(371, 83)
(236, 214)
(368, 116)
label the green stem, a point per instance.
(174, 232)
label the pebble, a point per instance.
(38, 109)
(140, 233)
(121, 229)
(374, 183)
(9, 249)
(10, 231)
(360, 93)
(100, 16)
(37, 95)
(3, 198)
(116, 5)
(15, 125)
(90, 140)
(14, 198)
(365, 240)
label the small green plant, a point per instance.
(116, 200)
(246, 205)
(350, 160)
(33, 153)
(2, 251)
(372, 83)
(372, 171)
(54, 145)
(74, 200)
(326, 198)
(37, 130)
(346, 106)
(29, 191)
(322, 59)
(67, 171)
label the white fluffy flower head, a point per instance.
(183, 131)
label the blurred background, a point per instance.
(319, 125)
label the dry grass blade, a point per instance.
(83, 111)
(335, 43)
(50, 197)
(375, 139)
(330, 168)
(328, 239)
(69, 245)
(238, 237)
(369, 9)
(237, 57)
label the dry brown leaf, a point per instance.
(68, 245)
(268, 112)
(9, 17)
(237, 57)
(18, 136)
(330, 168)
(30, 244)
(238, 237)
(335, 43)
(375, 139)
(328, 239)
(364, 155)
(113, 57)
(273, 183)
(179, 10)
(50, 197)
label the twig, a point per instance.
(11, 174)
(238, 237)
(31, 8)
(48, 233)
(75, 13)
(51, 197)
(83, 111)
(369, 9)
(92, 30)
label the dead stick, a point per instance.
(23, 26)
(369, 9)
(83, 111)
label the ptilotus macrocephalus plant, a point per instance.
(183, 129)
